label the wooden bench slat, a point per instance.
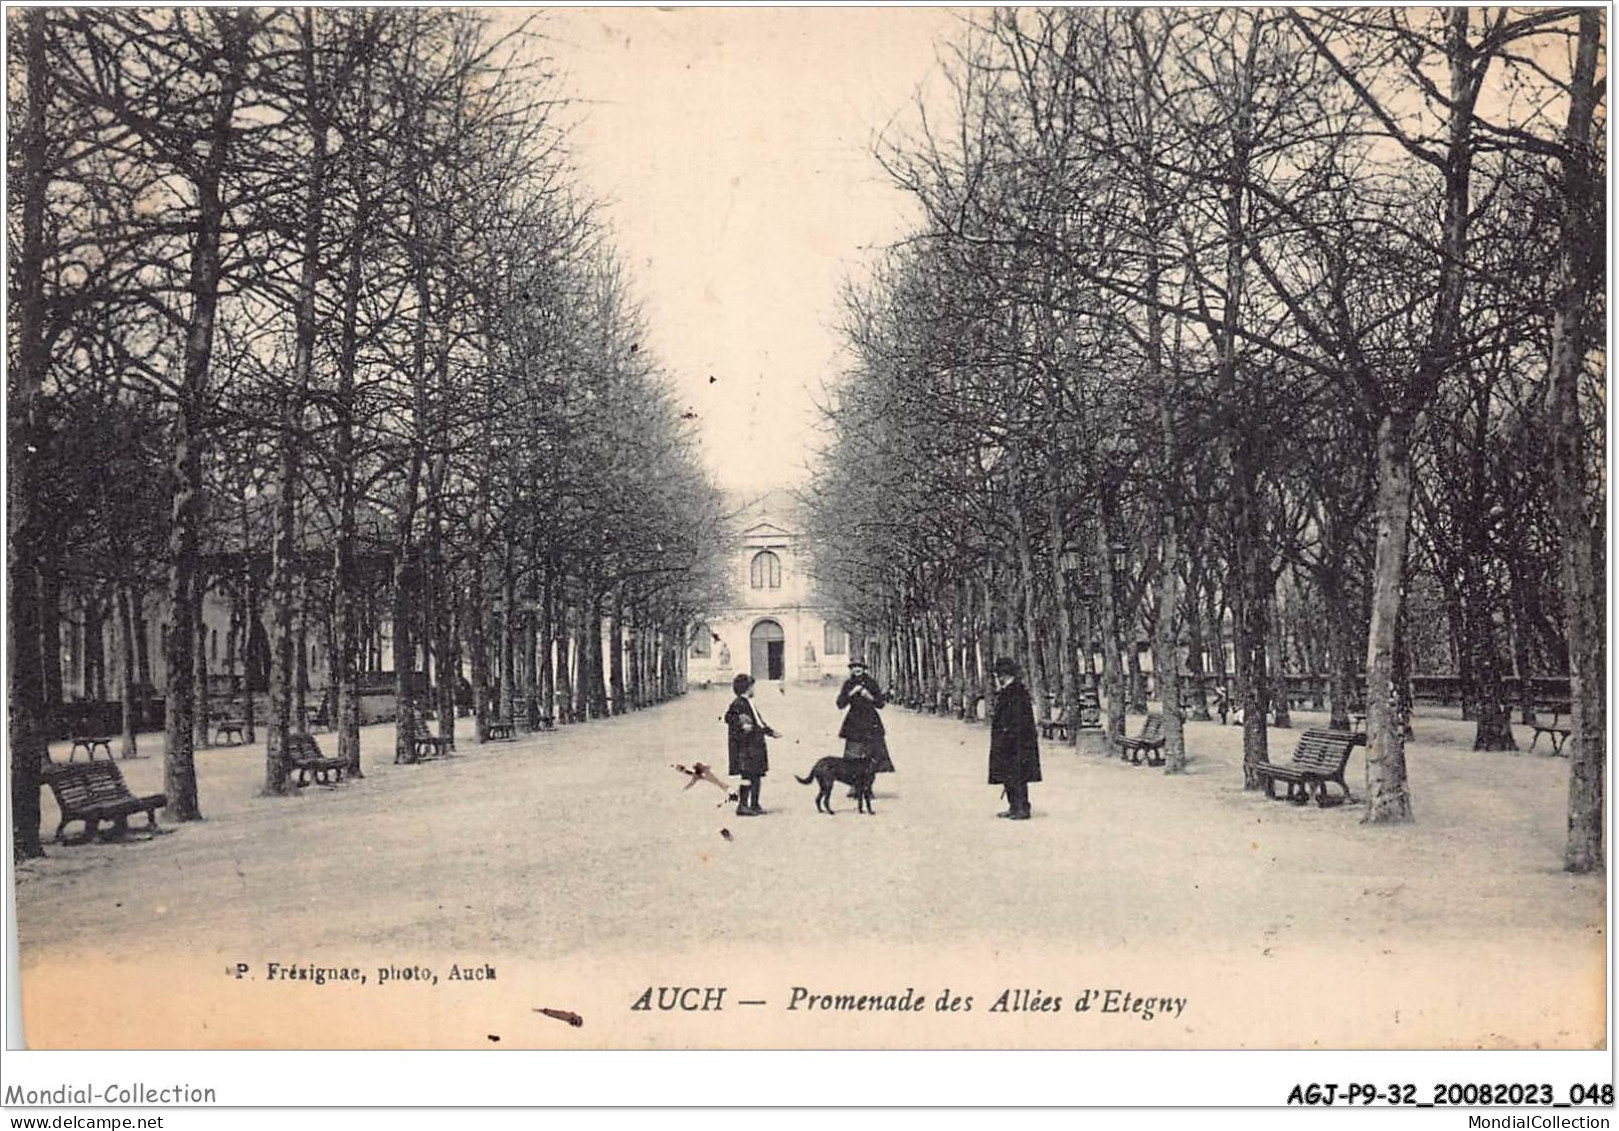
(1149, 742)
(427, 744)
(303, 755)
(93, 792)
(1319, 758)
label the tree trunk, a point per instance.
(564, 708)
(345, 676)
(615, 657)
(300, 665)
(143, 659)
(1388, 798)
(1067, 677)
(508, 639)
(1166, 665)
(283, 642)
(447, 669)
(126, 675)
(548, 685)
(95, 650)
(1522, 666)
(202, 718)
(1112, 660)
(477, 640)
(963, 681)
(1214, 619)
(986, 652)
(1494, 731)
(449, 684)
(404, 613)
(284, 573)
(233, 641)
(1460, 650)
(185, 595)
(249, 698)
(49, 615)
(1197, 690)
(528, 658)
(579, 627)
(598, 668)
(25, 521)
(1579, 247)
(927, 654)
(1341, 676)
(1135, 694)
(1275, 662)
(345, 576)
(632, 657)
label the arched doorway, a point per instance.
(768, 650)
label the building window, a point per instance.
(766, 571)
(836, 642)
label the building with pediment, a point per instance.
(774, 627)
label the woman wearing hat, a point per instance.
(745, 743)
(1014, 742)
(862, 731)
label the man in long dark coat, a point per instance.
(1014, 741)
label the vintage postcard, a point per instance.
(809, 529)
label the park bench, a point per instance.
(1556, 731)
(501, 728)
(93, 792)
(89, 742)
(1320, 758)
(303, 755)
(228, 725)
(1149, 742)
(428, 744)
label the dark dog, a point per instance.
(855, 772)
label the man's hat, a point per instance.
(856, 662)
(1005, 666)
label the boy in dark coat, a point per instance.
(862, 731)
(745, 743)
(1014, 741)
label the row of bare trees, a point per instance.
(1286, 317)
(308, 311)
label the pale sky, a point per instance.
(734, 147)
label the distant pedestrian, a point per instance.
(745, 742)
(1014, 742)
(862, 731)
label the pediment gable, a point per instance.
(766, 530)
